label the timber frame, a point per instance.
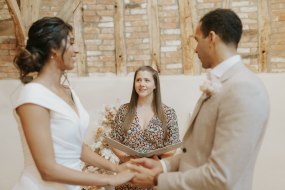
(27, 12)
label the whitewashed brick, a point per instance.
(130, 57)
(143, 5)
(240, 3)
(127, 34)
(138, 11)
(250, 21)
(243, 15)
(243, 50)
(171, 7)
(93, 53)
(106, 24)
(145, 40)
(174, 66)
(171, 31)
(107, 19)
(173, 43)
(168, 49)
(205, 5)
(248, 9)
(245, 27)
(278, 59)
(96, 42)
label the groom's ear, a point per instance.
(213, 36)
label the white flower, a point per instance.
(109, 155)
(96, 145)
(211, 86)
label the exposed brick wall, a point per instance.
(7, 44)
(248, 47)
(136, 34)
(277, 38)
(98, 33)
(171, 58)
(7, 53)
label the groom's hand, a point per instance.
(151, 164)
(146, 171)
(144, 177)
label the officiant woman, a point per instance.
(145, 123)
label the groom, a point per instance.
(226, 130)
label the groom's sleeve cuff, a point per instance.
(164, 167)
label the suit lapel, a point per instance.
(204, 97)
(198, 106)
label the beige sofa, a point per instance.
(179, 92)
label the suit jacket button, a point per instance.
(184, 150)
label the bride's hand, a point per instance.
(121, 178)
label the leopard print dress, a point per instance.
(150, 138)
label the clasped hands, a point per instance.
(145, 171)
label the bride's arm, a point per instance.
(90, 157)
(36, 125)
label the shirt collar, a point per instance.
(224, 66)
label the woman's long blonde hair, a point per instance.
(156, 102)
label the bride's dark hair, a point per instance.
(43, 35)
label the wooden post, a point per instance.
(264, 32)
(226, 4)
(68, 9)
(188, 25)
(30, 11)
(20, 30)
(120, 46)
(79, 40)
(154, 34)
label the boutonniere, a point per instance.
(211, 87)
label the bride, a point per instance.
(52, 120)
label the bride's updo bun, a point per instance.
(45, 34)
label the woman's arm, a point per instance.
(36, 125)
(167, 154)
(90, 157)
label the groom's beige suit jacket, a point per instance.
(224, 137)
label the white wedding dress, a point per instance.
(67, 131)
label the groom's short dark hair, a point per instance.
(225, 23)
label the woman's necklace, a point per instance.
(68, 96)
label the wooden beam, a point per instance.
(68, 9)
(120, 45)
(154, 34)
(226, 4)
(30, 11)
(264, 33)
(79, 40)
(188, 24)
(20, 30)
